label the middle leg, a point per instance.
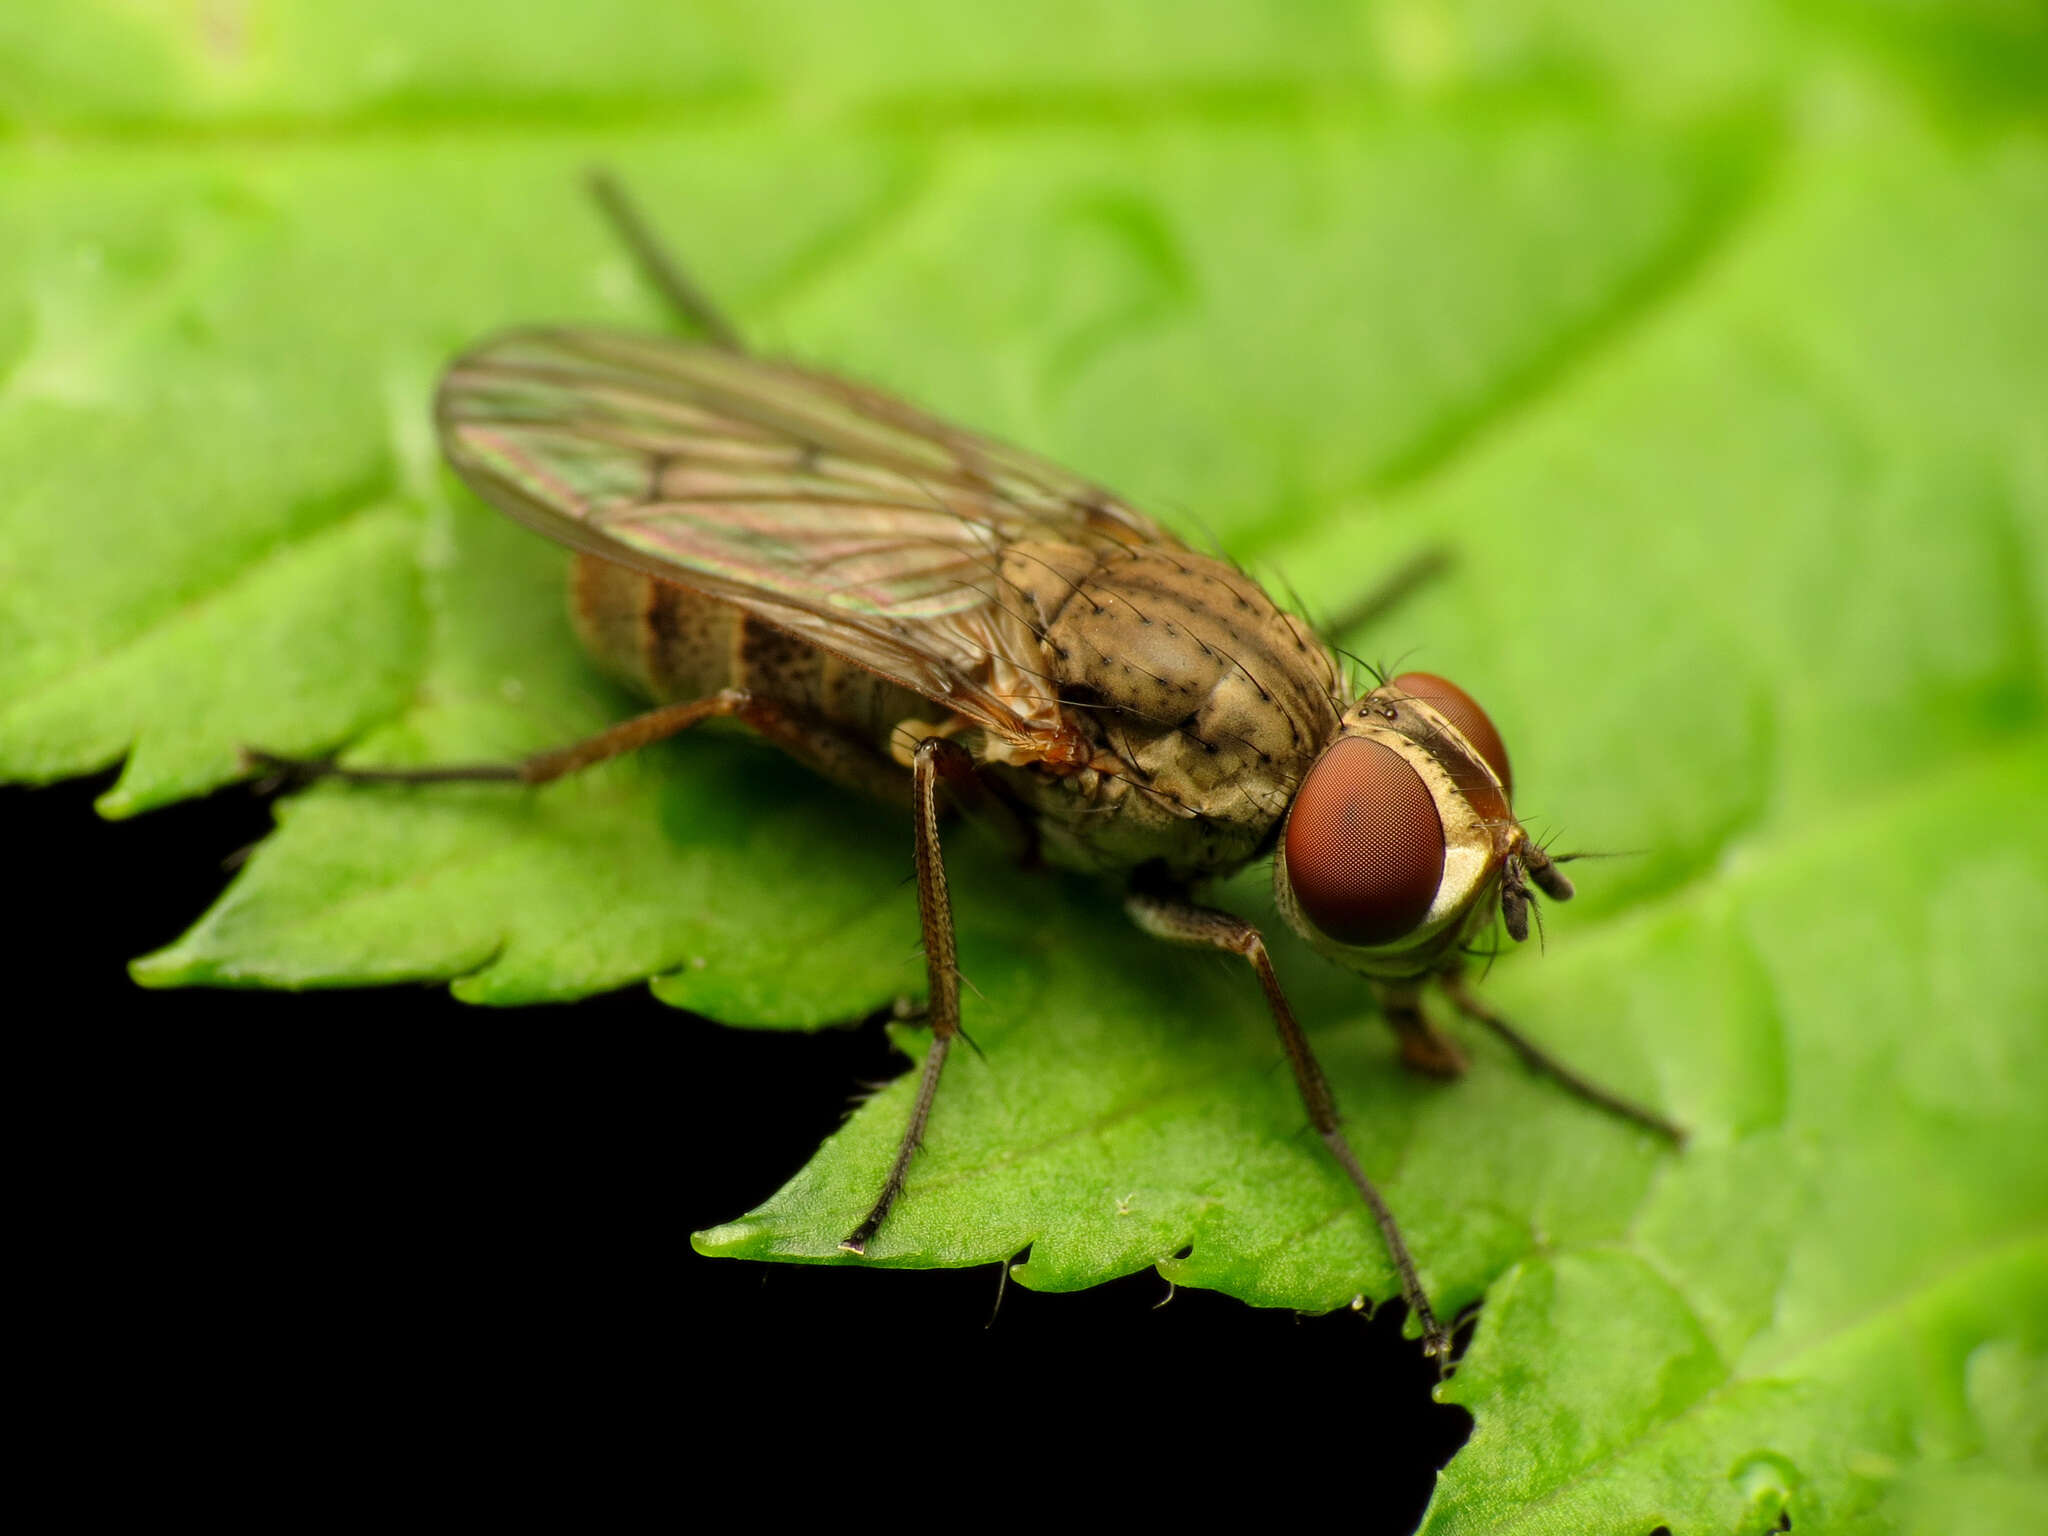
(936, 758)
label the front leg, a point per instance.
(1182, 922)
(1568, 1078)
(1424, 1048)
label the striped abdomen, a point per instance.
(671, 644)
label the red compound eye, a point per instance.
(1458, 707)
(1365, 846)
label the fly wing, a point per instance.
(833, 511)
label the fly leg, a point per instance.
(660, 268)
(1407, 578)
(1424, 1048)
(1534, 1056)
(935, 758)
(1182, 922)
(800, 736)
(982, 799)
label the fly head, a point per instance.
(1402, 835)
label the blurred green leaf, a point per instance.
(1715, 345)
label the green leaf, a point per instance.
(1714, 345)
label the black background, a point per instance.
(389, 1198)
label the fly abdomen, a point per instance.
(669, 643)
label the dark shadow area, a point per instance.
(389, 1193)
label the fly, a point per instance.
(937, 618)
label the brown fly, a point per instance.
(932, 617)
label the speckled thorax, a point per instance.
(1205, 702)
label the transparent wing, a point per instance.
(836, 512)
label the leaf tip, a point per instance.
(729, 1240)
(164, 968)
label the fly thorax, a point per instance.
(1182, 671)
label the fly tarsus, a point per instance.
(1568, 1078)
(913, 1137)
(280, 772)
(627, 735)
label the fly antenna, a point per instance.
(662, 271)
